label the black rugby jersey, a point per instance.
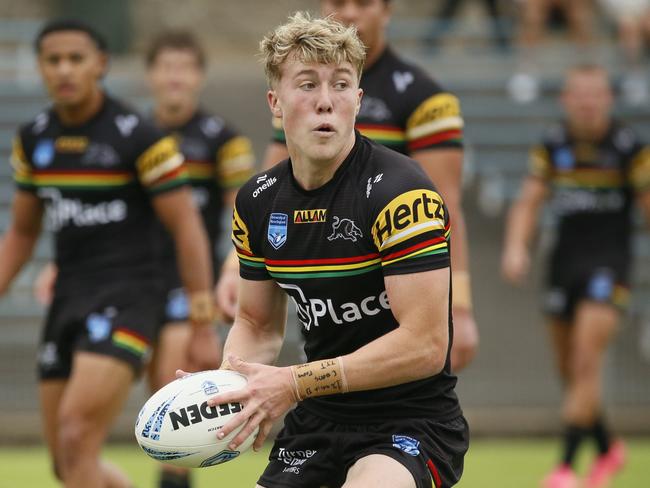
(217, 159)
(593, 186)
(96, 180)
(330, 249)
(403, 108)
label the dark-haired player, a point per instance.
(101, 173)
(405, 110)
(593, 169)
(218, 161)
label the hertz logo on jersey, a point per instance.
(312, 216)
(408, 215)
(160, 159)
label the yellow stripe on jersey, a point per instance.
(22, 169)
(157, 161)
(438, 113)
(640, 169)
(240, 232)
(235, 161)
(408, 215)
(539, 162)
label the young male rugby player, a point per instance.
(593, 168)
(356, 236)
(101, 172)
(404, 109)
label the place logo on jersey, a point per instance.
(277, 230)
(408, 215)
(312, 216)
(43, 153)
(311, 310)
(344, 229)
(71, 144)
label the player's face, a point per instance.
(370, 17)
(175, 77)
(71, 66)
(318, 104)
(587, 97)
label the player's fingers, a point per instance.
(239, 365)
(237, 396)
(240, 419)
(249, 427)
(181, 374)
(265, 429)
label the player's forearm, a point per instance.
(254, 343)
(193, 255)
(15, 250)
(521, 225)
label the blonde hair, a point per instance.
(318, 40)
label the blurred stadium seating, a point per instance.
(511, 387)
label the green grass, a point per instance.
(489, 464)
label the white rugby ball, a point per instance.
(176, 425)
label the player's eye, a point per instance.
(76, 58)
(341, 85)
(307, 85)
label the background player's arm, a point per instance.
(643, 200)
(20, 237)
(520, 229)
(275, 152)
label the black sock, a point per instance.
(174, 480)
(573, 436)
(601, 435)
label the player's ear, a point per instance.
(274, 104)
(359, 97)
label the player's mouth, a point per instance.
(324, 129)
(66, 89)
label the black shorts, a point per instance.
(312, 452)
(568, 284)
(117, 320)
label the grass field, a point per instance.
(490, 464)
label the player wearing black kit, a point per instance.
(357, 236)
(101, 173)
(592, 169)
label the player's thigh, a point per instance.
(170, 354)
(50, 394)
(560, 333)
(96, 391)
(594, 328)
(378, 471)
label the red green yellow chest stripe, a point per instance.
(96, 179)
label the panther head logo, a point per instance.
(344, 229)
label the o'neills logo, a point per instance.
(312, 216)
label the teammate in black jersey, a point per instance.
(357, 237)
(100, 172)
(593, 169)
(405, 110)
(218, 160)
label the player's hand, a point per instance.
(226, 293)
(43, 288)
(204, 348)
(269, 394)
(515, 264)
(466, 339)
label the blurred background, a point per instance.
(506, 72)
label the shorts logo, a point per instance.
(48, 356)
(98, 326)
(601, 285)
(313, 216)
(177, 307)
(344, 229)
(43, 153)
(295, 459)
(277, 231)
(407, 444)
(556, 300)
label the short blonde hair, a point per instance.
(318, 40)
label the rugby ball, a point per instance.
(176, 425)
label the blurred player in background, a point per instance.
(218, 161)
(405, 110)
(101, 172)
(366, 261)
(593, 168)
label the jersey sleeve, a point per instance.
(539, 163)
(411, 231)
(234, 162)
(639, 172)
(436, 122)
(159, 164)
(22, 169)
(251, 261)
(278, 131)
